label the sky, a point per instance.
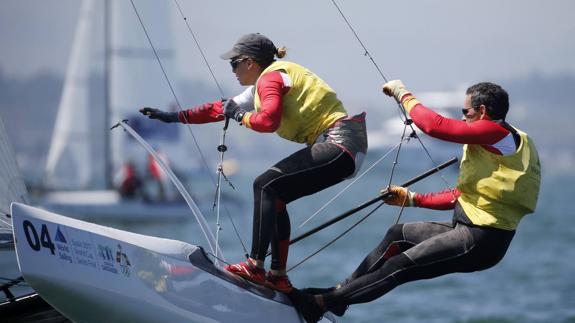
(430, 45)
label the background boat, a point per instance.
(83, 172)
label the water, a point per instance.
(533, 283)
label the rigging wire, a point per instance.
(4, 222)
(336, 238)
(359, 40)
(348, 186)
(221, 148)
(406, 119)
(199, 48)
(13, 282)
(204, 161)
(407, 123)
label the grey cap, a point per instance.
(253, 45)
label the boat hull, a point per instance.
(93, 273)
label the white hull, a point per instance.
(93, 273)
(107, 205)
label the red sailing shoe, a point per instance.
(279, 283)
(248, 271)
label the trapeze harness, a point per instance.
(297, 105)
(498, 184)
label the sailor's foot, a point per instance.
(338, 310)
(248, 271)
(306, 305)
(280, 283)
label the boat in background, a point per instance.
(84, 157)
(446, 103)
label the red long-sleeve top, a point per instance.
(489, 134)
(271, 87)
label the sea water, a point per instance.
(533, 283)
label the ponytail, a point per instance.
(281, 52)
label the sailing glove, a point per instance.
(233, 111)
(399, 196)
(160, 115)
(396, 89)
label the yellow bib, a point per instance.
(497, 191)
(308, 108)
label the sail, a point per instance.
(12, 188)
(70, 163)
(83, 154)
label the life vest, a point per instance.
(308, 108)
(497, 191)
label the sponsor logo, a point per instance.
(107, 259)
(123, 261)
(62, 246)
(60, 236)
(83, 250)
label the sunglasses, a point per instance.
(235, 62)
(466, 111)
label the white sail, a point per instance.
(84, 155)
(80, 141)
(69, 162)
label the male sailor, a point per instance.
(498, 184)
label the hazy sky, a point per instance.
(431, 45)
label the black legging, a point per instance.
(305, 172)
(421, 250)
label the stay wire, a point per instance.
(204, 161)
(199, 48)
(405, 118)
(396, 160)
(357, 178)
(398, 146)
(13, 282)
(336, 238)
(407, 123)
(222, 147)
(366, 52)
(359, 40)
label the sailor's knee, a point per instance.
(395, 232)
(260, 182)
(399, 265)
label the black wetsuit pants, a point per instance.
(421, 250)
(305, 172)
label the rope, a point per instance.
(222, 147)
(348, 186)
(336, 238)
(405, 119)
(407, 122)
(204, 161)
(199, 48)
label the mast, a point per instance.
(107, 98)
